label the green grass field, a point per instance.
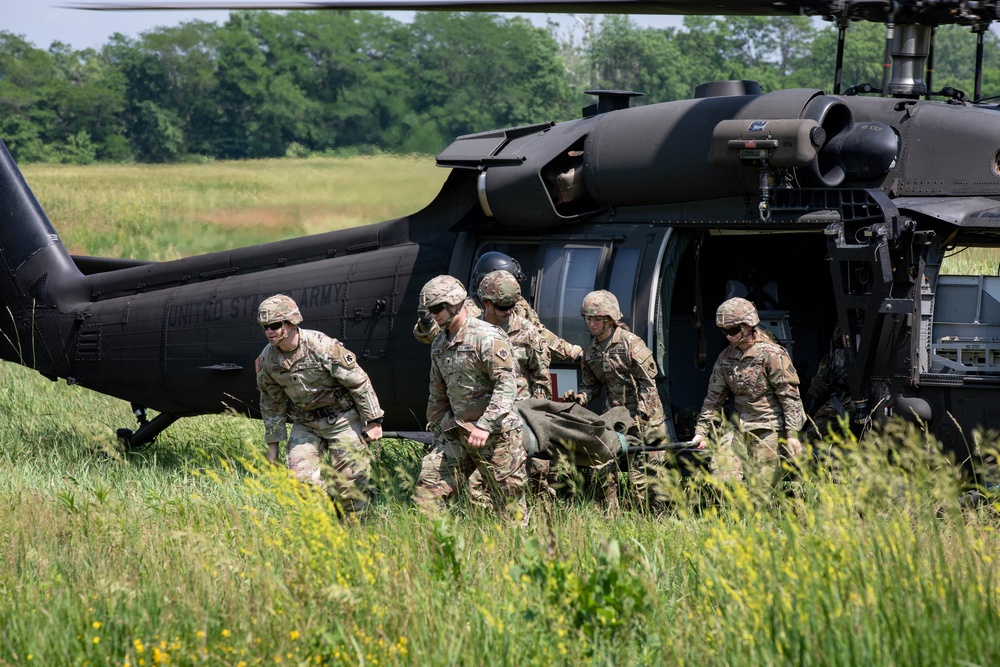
(163, 212)
(193, 551)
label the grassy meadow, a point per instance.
(164, 212)
(194, 551)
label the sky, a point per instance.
(42, 21)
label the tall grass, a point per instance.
(162, 212)
(195, 551)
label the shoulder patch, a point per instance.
(502, 353)
(349, 358)
(256, 365)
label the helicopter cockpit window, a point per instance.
(624, 270)
(568, 274)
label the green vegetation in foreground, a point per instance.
(164, 212)
(193, 551)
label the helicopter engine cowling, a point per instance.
(552, 174)
(654, 154)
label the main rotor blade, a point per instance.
(692, 7)
(926, 12)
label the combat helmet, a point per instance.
(495, 261)
(500, 287)
(442, 290)
(601, 302)
(736, 311)
(279, 308)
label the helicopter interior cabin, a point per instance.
(785, 274)
(669, 281)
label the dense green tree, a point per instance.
(645, 60)
(474, 72)
(25, 77)
(268, 84)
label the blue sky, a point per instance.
(43, 21)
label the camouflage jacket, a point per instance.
(533, 358)
(473, 379)
(624, 366)
(764, 386)
(560, 349)
(319, 373)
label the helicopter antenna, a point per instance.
(930, 64)
(980, 29)
(841, 39)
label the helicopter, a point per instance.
(830, 211)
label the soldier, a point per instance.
(768, 413)
(829, 392)
(619, 362)
(425, 330)
(312, 380)
(470, 409)
(499, 292)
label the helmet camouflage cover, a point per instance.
(601, 302)
(279, 308)
(500, 287)
(442, 290)
(736, 311)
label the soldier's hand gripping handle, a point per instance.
(372, 431)
(580, 399)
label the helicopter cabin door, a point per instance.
(561, 271)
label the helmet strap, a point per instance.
(608, 324)
(451, 315)
(743, 334)
(281, 337)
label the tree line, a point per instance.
(268, 84)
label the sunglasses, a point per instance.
(273, 326)
(503, 309)
(437, 308)
(731, 331)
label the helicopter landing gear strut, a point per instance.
(147, 431)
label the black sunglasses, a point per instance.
(503, 309)
(731, 331)
(437, 308)
(273, 326)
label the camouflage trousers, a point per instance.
(494, 475)
(756, 452)
(828, 418)
(331, 453)
(643, 468)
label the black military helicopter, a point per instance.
(823, 209)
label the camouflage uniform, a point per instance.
(472, 384)
(765, 391)
(530, 350)
(329, 399)
(830, 391)
(624, 367)
(560, 349)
